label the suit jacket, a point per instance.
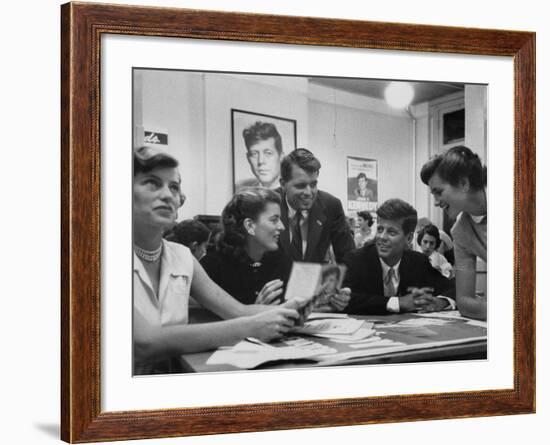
(327, 225)
(364, 278)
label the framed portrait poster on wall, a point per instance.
(259, 142)
(105, 45)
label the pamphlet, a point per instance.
(314, 282)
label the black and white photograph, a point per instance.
(259, 143)
(292, 177)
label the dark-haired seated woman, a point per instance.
(429, 241)
(458, 182)
(366, 230)
(247, 262)
(166, 274)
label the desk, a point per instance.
(470, 344)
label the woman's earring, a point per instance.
(251, 232)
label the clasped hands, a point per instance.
(421, 300)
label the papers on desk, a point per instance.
(251, 353)
(443, 314)
(415, 323)
(361, 333)
(394, 347)
(329, 326)
(323, 315)
(348, 332)
(454, 315)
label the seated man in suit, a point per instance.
(314, 220)
(388, 277)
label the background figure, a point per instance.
(366, 230)
(352, 224)
(458, 182)
(446, 247)
(363, 192)
(314, 219)
(191, 233)
(247, 262)
(264, 152)
(429, 241)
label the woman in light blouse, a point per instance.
(166, 273)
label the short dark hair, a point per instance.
(246, 203)
(362, 175)
(302, 158)
(262, 131)
(147, 158)
(189, 231)
(429, 230)
(366, 216)
(453, 166)
(394, 209)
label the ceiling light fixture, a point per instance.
(399, 94)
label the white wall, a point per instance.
(195, 108)
(174, 102)
(336, 132)
(420, 113)
(225, 92)
(30, 224)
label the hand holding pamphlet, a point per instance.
(318, 285)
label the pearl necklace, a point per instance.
(148, 255)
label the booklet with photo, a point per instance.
(314, 283)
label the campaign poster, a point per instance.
(362, 184)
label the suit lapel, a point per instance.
(405, 278)
(316, 222)
(376, 269)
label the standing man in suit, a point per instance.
(388, 277)
(314, 220)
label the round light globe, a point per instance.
(399, 94)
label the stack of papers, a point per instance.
(329, 326)
(251, 353)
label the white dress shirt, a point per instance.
(393, 303)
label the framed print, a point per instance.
(331, 338)
(255, 162)
(121, 84)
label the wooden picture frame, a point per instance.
(82, 26)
